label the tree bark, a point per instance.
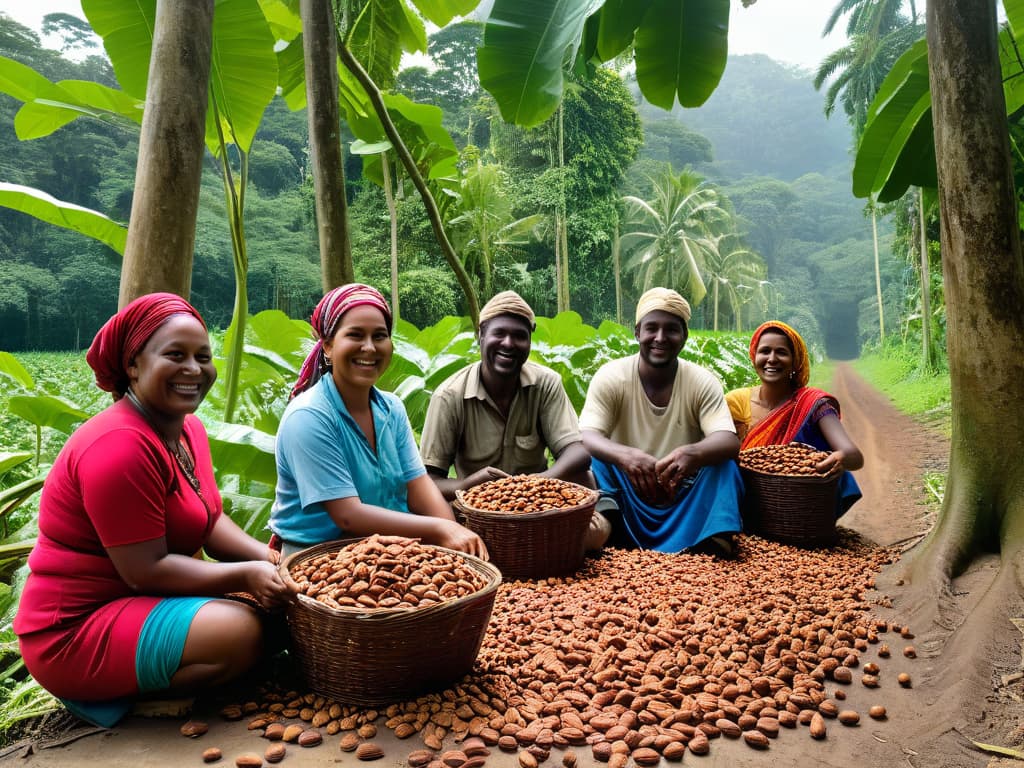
(162, 227)
(616, 254)
(983, 273)
(927, 353)
(319, 46)
(878, 277)
(389, 199)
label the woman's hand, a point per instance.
(831, 465)
(264, 582)
(461, 539)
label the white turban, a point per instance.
(664, 299)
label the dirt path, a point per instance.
(898, 451)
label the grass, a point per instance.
(821, 374)
(920, 394)
(916, 393)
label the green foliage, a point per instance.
(765, 119)
(897, 148)
(896, 371)
(667, 140)
(667, 240)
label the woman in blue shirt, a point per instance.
(347, 463)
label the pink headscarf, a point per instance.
(124, 335)
(325, 320)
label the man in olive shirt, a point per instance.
(499, 415)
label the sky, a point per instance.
(786, 30)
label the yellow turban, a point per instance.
(508, 303)
(664, 299)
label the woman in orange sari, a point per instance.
(783, 409)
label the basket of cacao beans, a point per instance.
(534, 527)
(386, 618)
(786, 498)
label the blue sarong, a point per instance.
(707, 506)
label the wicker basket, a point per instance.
(793, 509)
(374, 657)
(532, 545)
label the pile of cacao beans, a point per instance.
(786, 459)
(386, 572)
(641, 657)
(525, 493)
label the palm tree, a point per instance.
(879, 33)
(734, 272)
(669, 239)
(482, 221)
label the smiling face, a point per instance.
(360, 349)
(172, 373)
(662, 336)
(504, 345)
(773, 358)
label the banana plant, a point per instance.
(679, 48)
(897, 149)
(38, 408)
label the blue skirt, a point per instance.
(708, 506)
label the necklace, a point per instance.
(176, 448)
(188, 466)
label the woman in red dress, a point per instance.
(118, 604)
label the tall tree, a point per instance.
(879, 33)
(734, 273)
(982, 264)
(319, 44)
(161, 231)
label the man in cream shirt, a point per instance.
(663, 441)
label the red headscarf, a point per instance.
(124, 335)
(325, 319)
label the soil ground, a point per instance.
(928, 725)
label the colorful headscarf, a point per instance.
(325, 319)
(801, 366)
(508, 303)
(664, 299)
(124, 335)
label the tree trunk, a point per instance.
(162, 228)
(617, 265)
(927, 353)
(715, 320)
(878, 277)
(389, 200)
(983, 509)
(558, 261)
(319, 47)
(564, 304)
